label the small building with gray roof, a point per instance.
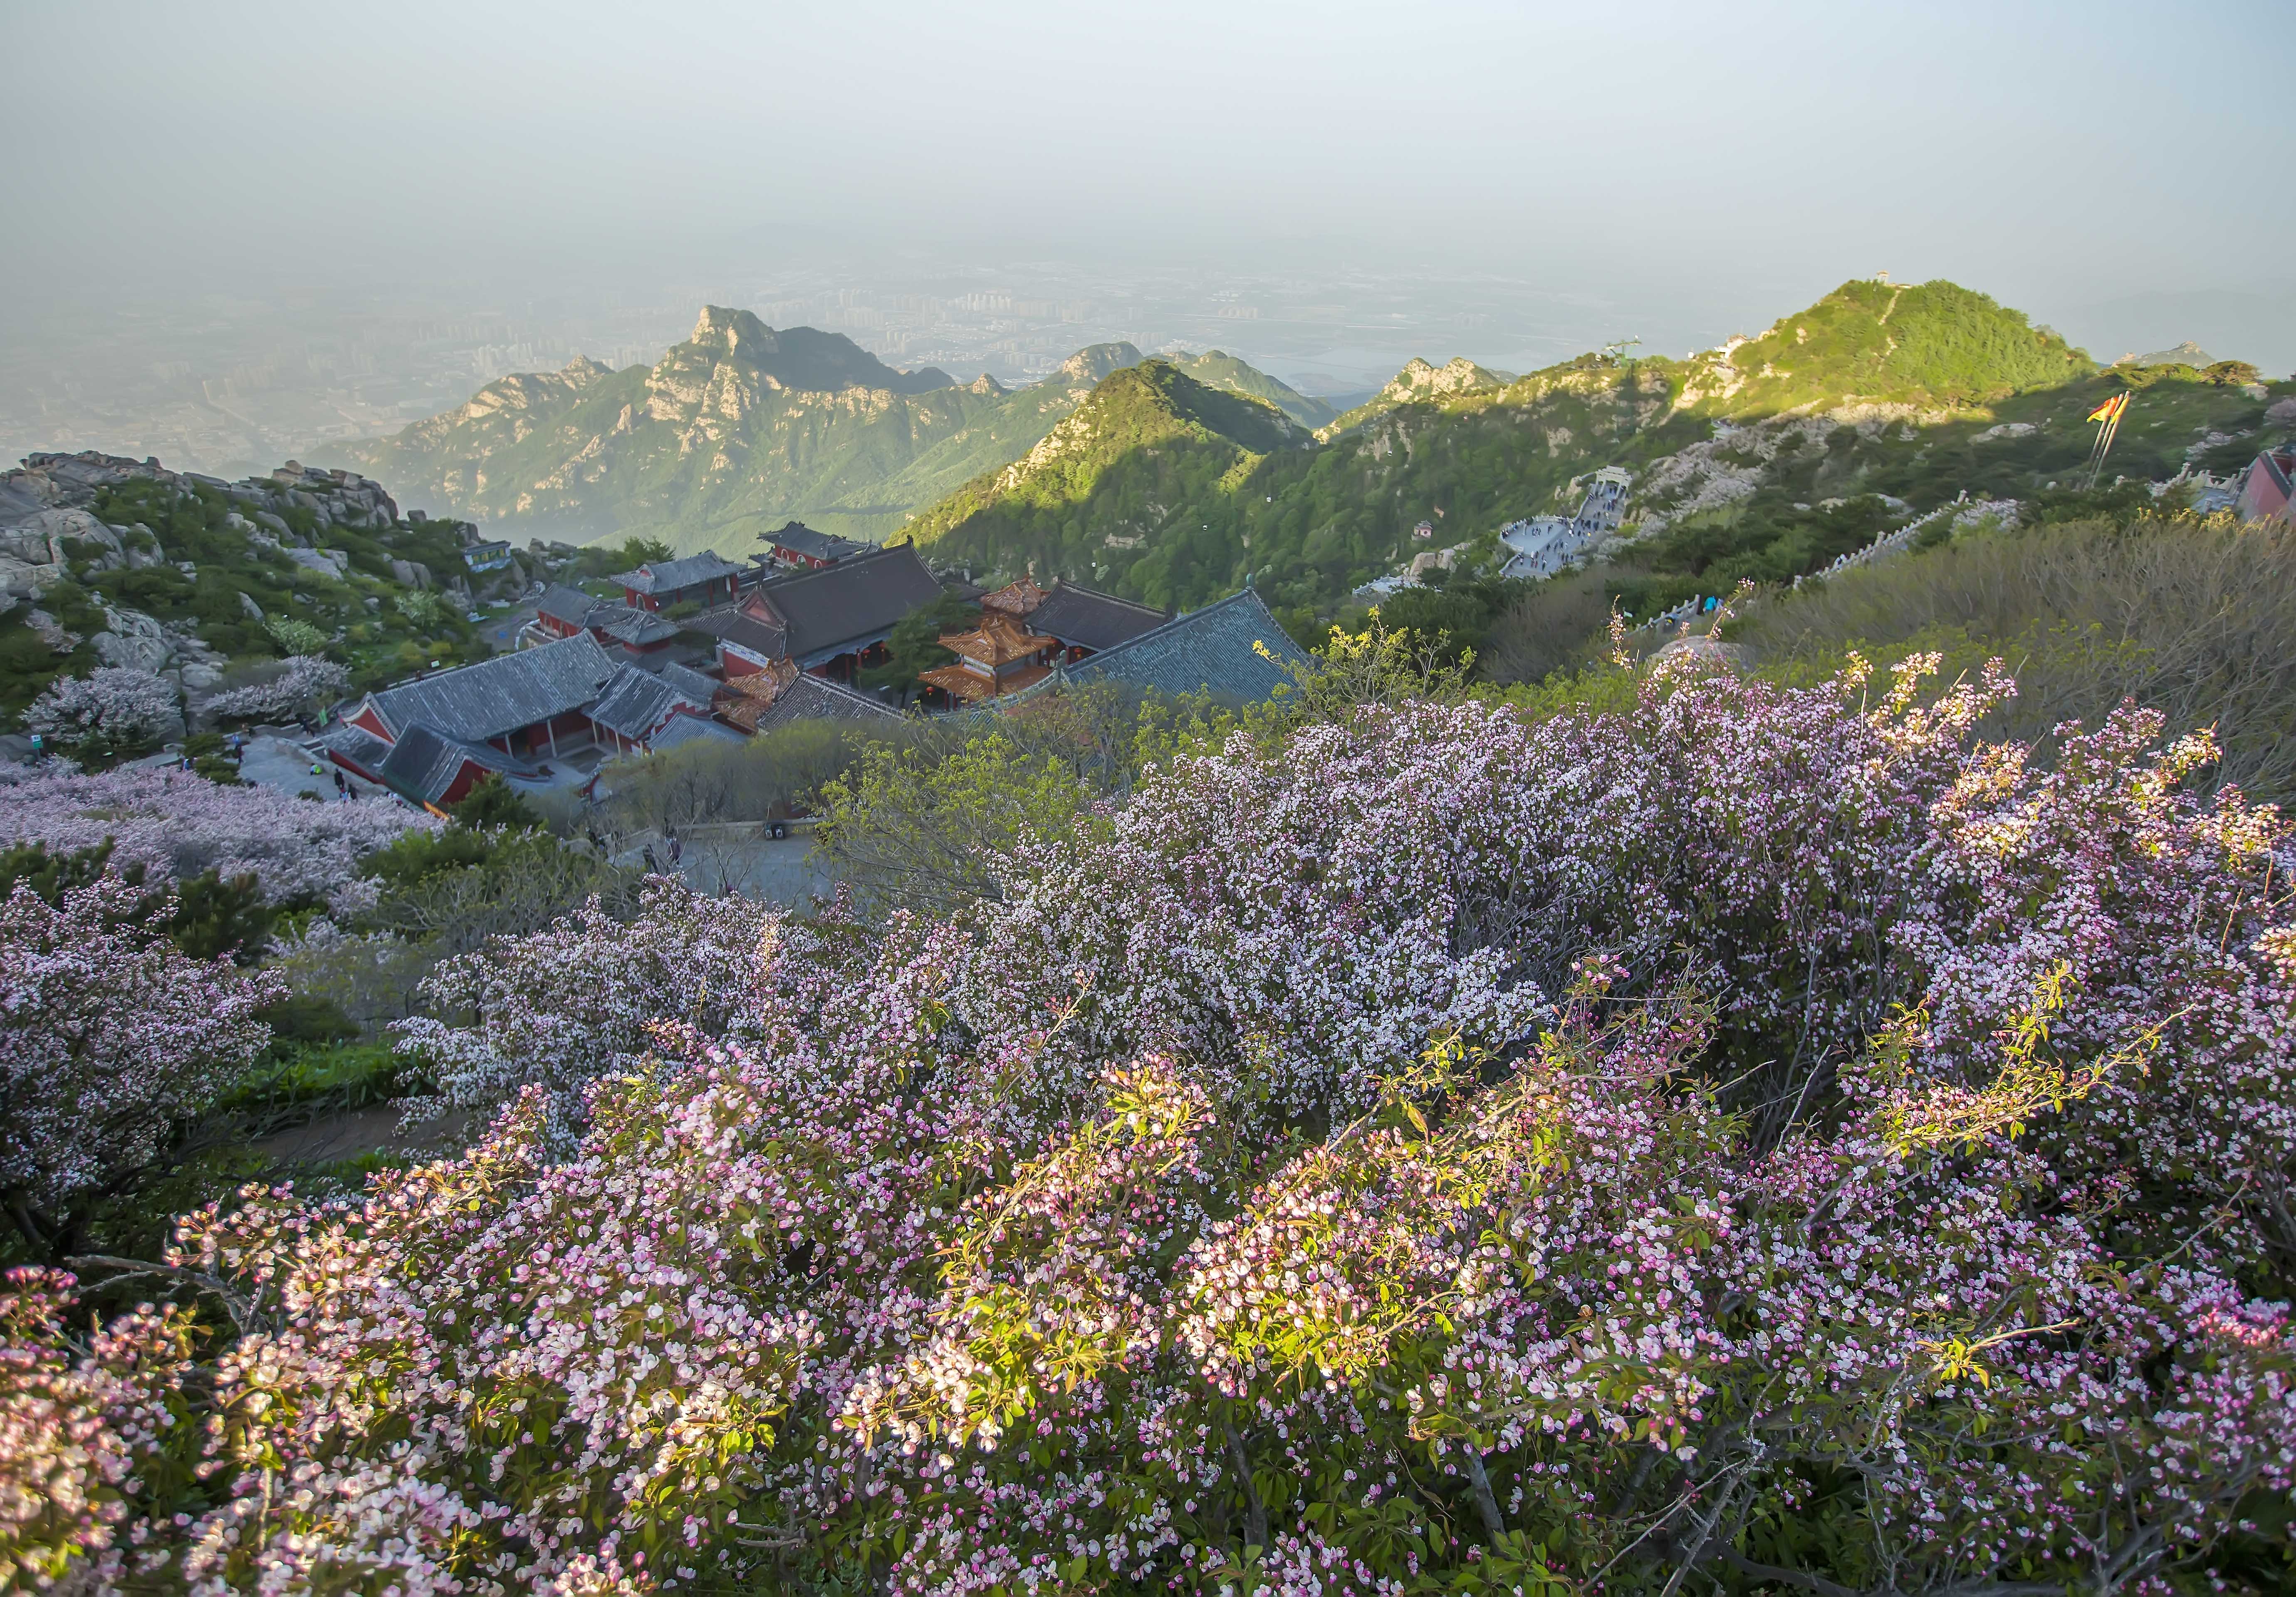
(434, 770)
(830, 621)
(526, 703)
(1087, 622)
(706, 578)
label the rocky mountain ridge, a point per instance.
(735, 430)
(50, 534)
(1419, 383)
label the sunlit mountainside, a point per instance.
(1916, 392)
(738, 430)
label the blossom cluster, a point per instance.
(177, 824)
(300, 685)
(84, 1430)
(107, 1037)
(120, 704)
(561, 1007)
(1772, 1134)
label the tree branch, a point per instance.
(1486, 1504)
(237, 1304)
(1255, 1515)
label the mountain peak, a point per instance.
(2186, 354)
(1927, 345)
(1094, 362)
(792, 357)
(1420, 380)
(721, 327)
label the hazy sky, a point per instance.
(1727, 159)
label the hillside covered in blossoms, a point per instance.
(1717, 1136)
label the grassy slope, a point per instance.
(2190, 619)
(1934, 344)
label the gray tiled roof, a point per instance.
(689, 681)
(626, 624)
(849, 604)
(687, 729)
(670, 576)
(1210, 651)
(763, 639)
(571, 607)
(635, 701)
(798, 538)
(355, 747)
(502, 694)
(1094, 620)
(425, 761)
(814, 698)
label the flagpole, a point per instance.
(2102, 418)
(2111, 435)
(2105, 435)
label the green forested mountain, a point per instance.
(1916, 392)
(1933, 344)
(1217, 369)
(1098, 497)
(736, 431)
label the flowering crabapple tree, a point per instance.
(297, 686)
(1768, 1139)
(176, 824)
(561, 1007)
(90, 1427)
(113, 708)
(108, 1035)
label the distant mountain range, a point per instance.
(734, 431)
(1173, 479)
(1914, 391)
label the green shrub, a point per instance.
(2190, 618)
(494, 803)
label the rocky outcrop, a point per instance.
(135, 640)
(49, 529)
(1420, 380)
(47, 523)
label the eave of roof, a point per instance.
(425, 762)
(975, 688)
(999, 640)
(1233, 649)
(1091, 619)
